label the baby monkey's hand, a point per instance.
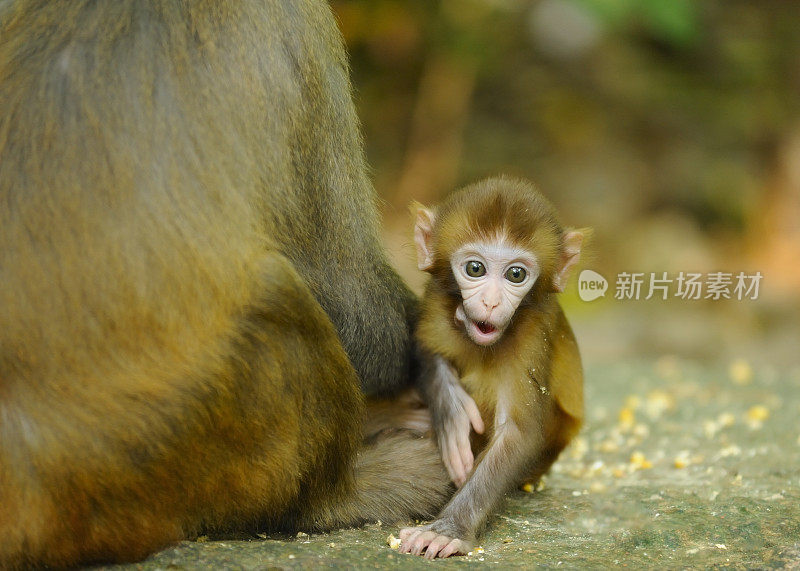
(454, 413)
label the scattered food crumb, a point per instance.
(681, 461)
(202, 538)
(756, 416)
(530, 487)
(392, 541)
(639, 461)
(657, 403)
(301, 534)
(627, 418)
(578, 448)
(609, 446)
(731, 450)
(710, 428)
(740, 372)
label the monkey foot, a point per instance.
(415, 540)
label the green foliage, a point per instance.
(673, 108)
(674, 22)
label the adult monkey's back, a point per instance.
(185, 225)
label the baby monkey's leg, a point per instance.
(500, 468)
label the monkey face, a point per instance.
(493, 276)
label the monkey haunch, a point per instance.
(191, 285)
(489, 316)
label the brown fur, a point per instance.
(528, 385)
(540, 330)
(483, 208)
(192, 288)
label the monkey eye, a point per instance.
(475, 269)
(516, 275)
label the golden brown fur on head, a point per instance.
(498, 208)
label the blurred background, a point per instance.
(671, 127)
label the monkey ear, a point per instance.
(423, 233)
(571, 243)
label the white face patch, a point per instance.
(493, 276)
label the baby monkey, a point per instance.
(489, 317)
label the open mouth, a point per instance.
(480, 332)
(485, 328)
(484, 333)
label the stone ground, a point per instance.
(678, 466)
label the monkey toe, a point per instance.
(431, 544)
(408, 532)
(408, 537)
(436, 545)
(444, 546)
(415, 539)
(422, 541)
(455, 547)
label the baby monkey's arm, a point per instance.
(453, 411)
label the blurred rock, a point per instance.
(563, 29)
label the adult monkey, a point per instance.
(188, 257)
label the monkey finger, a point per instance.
(465, 454)
(455, 477)
(458, 472)
(459, 481)
(473, 413)
(445, 452)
